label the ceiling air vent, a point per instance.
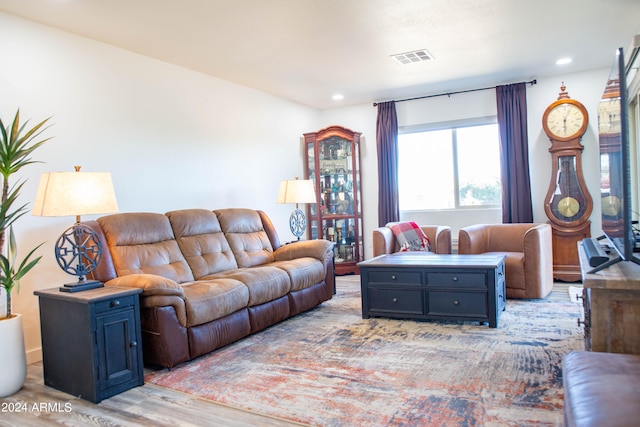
(411, 57)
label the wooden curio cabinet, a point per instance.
(332, 162)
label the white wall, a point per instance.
(171, 138)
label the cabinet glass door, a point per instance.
(333, 164)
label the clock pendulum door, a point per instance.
(568, 201)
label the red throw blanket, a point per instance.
(410, 236)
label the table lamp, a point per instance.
(78, 250)
(297, 191)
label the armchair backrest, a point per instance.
(481, 238)
(384, 242)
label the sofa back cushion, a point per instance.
(202, 241)
(246, 235)
(144, 243)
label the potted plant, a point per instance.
(17, 144)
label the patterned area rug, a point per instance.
(330, 367)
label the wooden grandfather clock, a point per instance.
(568, 203)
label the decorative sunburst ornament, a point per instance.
(78, 252)
(297, 223)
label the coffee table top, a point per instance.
(427, 259)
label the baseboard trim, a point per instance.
(34, 355)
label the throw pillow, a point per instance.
(410, 236)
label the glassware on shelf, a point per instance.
(333, 162)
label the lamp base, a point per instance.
(81, 285)
(297, 223)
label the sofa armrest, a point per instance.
(383, 241)
(538, 255)
(472, 239)
(174, 301)
(317, 249)
(440, 237)
(151, 284)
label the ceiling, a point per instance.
(308, 50)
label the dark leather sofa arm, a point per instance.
(317, 249)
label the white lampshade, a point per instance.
(75, 194)
(296, 191)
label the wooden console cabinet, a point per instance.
(91, 341)
(611, 301)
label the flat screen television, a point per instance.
(616, 159)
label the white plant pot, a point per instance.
(13, 359)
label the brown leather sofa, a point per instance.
(384, 242)
(209, 278)
(601, 389)
(527, 247)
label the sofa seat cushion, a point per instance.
(265, 283)
(303, 272)
(513, 269)
(209, 300)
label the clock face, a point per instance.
(566, 120)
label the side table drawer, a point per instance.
(395, 302)
(467, 280)
(116, 303)
(463, 304)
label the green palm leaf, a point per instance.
(17, 145)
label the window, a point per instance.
(451, 168)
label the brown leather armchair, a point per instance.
(384, 242)
(529, 262)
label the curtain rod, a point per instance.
(532, 82)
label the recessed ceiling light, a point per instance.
(563, 61)
(338, 97)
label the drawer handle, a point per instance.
(133, 344)
(393, 277)
(115, 303)
(455, 278)
(456, 302)
(583, 323)
(395, 300)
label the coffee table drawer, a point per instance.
(396, 277)
(463, 304)
(452, 278)
(395, 302)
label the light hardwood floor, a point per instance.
(39, 406)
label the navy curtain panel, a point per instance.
(387, 147)
(514, 153)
